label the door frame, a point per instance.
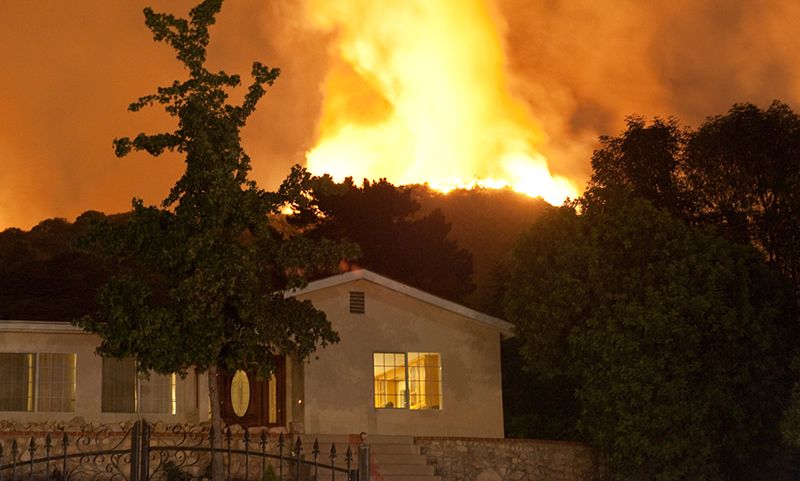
(257, 413)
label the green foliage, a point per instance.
(537, 406)
(790, 424)
(738, 173)
(269, 474)
(643, 162)
(204, 273)
(677, 340)
(174, 473)
(743, 169)
(395, 240)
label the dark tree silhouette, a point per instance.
(675, 337)
(208, 268)
(738, 172)
(743, 169)
(394, 240)
(44, 276)
(642, 162)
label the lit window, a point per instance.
(424, 380)
(410, 380)
(125, 390)
(43, 382)
(390, 379)
(273, 399)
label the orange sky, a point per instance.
(71, 68)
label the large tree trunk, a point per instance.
(218, 469)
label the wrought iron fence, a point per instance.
(179, 454)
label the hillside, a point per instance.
(486, 222)
(43, 276)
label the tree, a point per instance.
(206, 271)
(394, 239)
(642, 162)
(676, 337)
(743, 168)
(738, 172)
(536, 405)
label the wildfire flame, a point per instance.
(418, 93)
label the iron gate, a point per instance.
(177, 454)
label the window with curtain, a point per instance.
(43, 382)
(125, 390)
(56, 382)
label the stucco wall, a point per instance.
(39, 337)
(338, 380)
(464, 459)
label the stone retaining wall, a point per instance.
(477, 459)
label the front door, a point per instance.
(249, 401)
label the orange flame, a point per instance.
(418, 93)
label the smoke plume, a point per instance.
(570, 70)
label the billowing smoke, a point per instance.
(583, 65)
(572, 69)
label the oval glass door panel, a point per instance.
(240, 393)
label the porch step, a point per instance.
(392, 459)
(405, 470)
(351, 439)
(390, 439)
(411, 478)
(393, 449)
(400, 462)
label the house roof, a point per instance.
(505, 328)
(53, 327)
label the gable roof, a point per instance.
(505, 328)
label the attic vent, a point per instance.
(357, 302)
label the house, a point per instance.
(408, 363)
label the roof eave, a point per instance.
(505, 328)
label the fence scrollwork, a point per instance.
(179, 453)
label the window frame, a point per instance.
(33, 396)
(407, 382)
(172, 399)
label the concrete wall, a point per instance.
(338, 380)
(464, 459)
(52, 337)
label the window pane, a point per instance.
(16, 381)
(119, 385)
(157, 394)
(273, 400)
(389, 380)
(425, 380)
(56, 386)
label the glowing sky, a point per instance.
(578, 67)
